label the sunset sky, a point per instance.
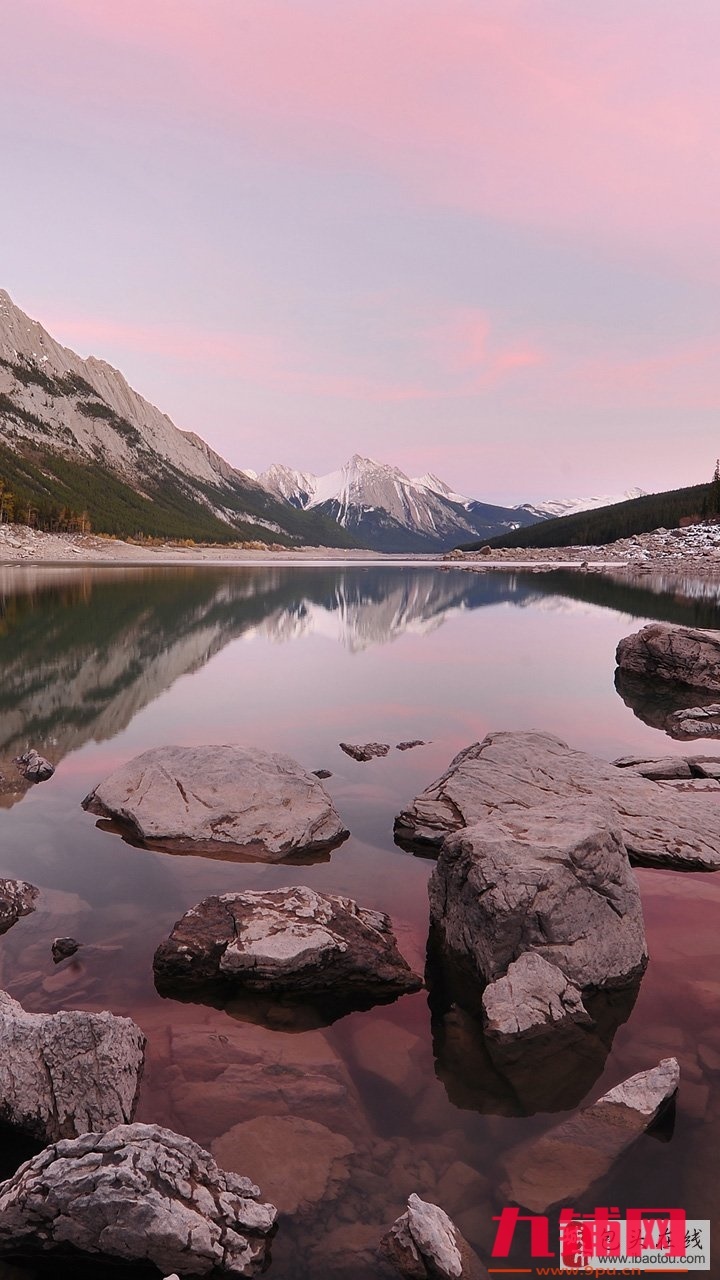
(475, 237)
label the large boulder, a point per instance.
(67, 1073)
(141, 1194)
(292, 941)
(516, 772)
(554, 880)
(564, 1163)
(683, 655)
(215, 798)
(425, 1244)
(17, 898)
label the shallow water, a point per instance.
(98, 665)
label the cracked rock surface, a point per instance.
(684, 655)
(553, 880)
(17, 898)
(293, 940)
(514, 772)
(139, 1193)
(219, 796)
(67, 1073)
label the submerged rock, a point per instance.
(533, 997)
(517, 772)
(219, 796)
(292, 941)
(67, 1073)
(564, 1163)
(683, 655)
(62, 948)
(34, 767)
(424, 1244)
(554, 880)
(17, 898)
(365, 751)
(139, 1193)
(299, 1162)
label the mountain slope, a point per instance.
(74, 434)
(387, 510)
(573, 506)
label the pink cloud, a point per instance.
(596, 121)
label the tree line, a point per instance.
(51, 518)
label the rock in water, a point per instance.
(553, 880)
(515, 772)
(67, 1073)
(424, 1244)
(366, 750)
(684, 655)
(532, 997)
(142, 1194)
(292, 941)
(215, 797)
(17, 898)
(564, 1163)
(300, 1163)
(62, 948)
(408, 746)
(34, 767)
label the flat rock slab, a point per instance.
(564, 1163)
(364, 751)
(139, 1193)
(554, 880)
(532, 998)
(206, 798)
(292, 941)
(424, 1243)
(683, 655)
(68, 1073)
(17, 898)
(299, 1162)
(515, 771)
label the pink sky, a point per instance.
(476, 237)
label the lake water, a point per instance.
(98, 665)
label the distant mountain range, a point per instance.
(76, 440)
(385, 509)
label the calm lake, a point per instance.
(99, 664)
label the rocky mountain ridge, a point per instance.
(74, 434)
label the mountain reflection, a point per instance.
(82, 651)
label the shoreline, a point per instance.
(690, 551)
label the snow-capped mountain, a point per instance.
(571, 506)
(390, 511)
(75, 436)
(387, 510)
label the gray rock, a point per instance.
(62, 948)
(34, 767)
(564, 1163)
(366, 750)
(295, 941)
(408, 746)
(532, 998)
(67, 1073)
(509, 772)
(656, 768)
(214, 797)
(139, 1193)
(17, 898)
(554, 880)
(424, 1244)
(322, 774)
(684, 655)
(695, 722)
